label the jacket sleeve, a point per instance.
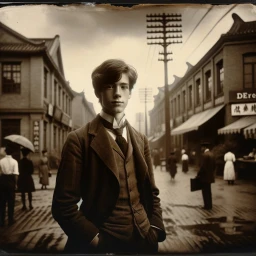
(156, 218)
(68, 193)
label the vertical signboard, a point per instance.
(36, 133)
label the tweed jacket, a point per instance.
(207, 168)
(88, 171)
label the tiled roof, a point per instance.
(48, 41)
(14, 47)
(240, 27)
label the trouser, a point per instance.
(207, 195)
(7, 197)
(111, 244)
(23, 198)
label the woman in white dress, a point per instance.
(229, 169)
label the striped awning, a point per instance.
(196, 120)
(250, 130)
(238, 125)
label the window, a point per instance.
(220, 77)
(184, 101)
(55, 92)
(174, 108)
(45, 82)
(11, 77)
(190, 96)
(178, 106)
(59, 100)
(45, 134)
(250, 71)
(55, 137)
(198, 92)
(63, 101)
(208, 85)
(67, 104)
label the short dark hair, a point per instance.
(9, 150)
(109, 72)
(25, 151)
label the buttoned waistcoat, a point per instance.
(88, 170)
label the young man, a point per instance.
(9, 172)
(206, 174)
(107, 164)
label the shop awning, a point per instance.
(250, 129)
(238, 125)
(196, 120)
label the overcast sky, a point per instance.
(91, 34)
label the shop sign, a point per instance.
(36, 135)
(243, 109)
(65, 119)
(57, 113)
(242, 96)
(50, 109)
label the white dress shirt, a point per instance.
(8, 166)
(113, 121)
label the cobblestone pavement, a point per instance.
(229, 227)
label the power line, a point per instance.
(212, 30)
(197, 25)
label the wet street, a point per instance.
(229, 227)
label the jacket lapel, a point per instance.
(102, 145)
(138, 149)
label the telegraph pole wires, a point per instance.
(169, 33)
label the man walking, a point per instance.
(107, 164)
(9, 172)
(206, 174)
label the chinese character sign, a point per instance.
(36, 133)
(244, 109)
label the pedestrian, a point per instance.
(156, 158)
(25, 180)
(172, 165)
(111, 170)
(184, 161)
(9, 172)
(44, 170)
(206, 174)
(229, 169)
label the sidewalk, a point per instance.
(229, 227)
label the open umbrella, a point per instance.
(21, 140)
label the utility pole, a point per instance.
(145, 97)
(164, 26)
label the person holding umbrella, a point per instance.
(25, 180)
(9, 172)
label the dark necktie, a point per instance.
(120, 140)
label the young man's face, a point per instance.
(114, 97)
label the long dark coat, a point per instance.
(172, 165)
(207, 168)
(88, 170)
(25, 180)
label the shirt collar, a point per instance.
(112, 120)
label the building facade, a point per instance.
(202, 101)
(86, 110)
(35, 98)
